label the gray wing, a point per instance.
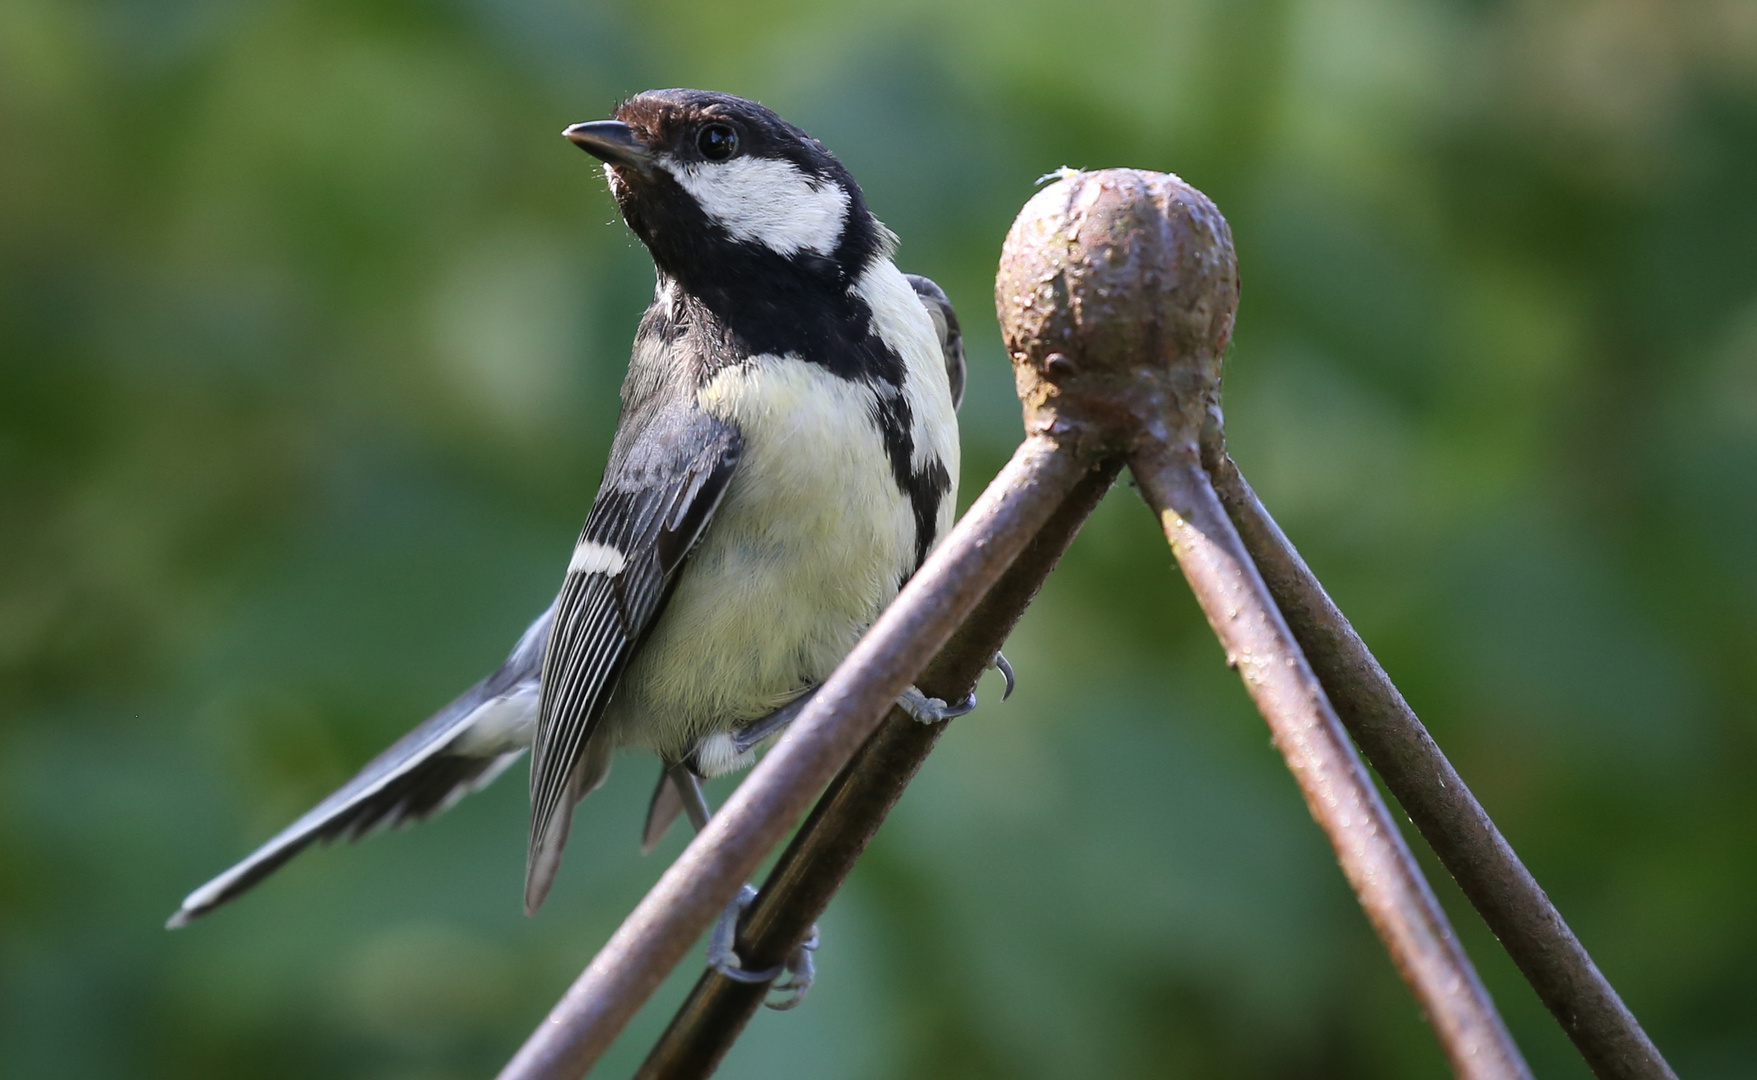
(945, 322)
(667, 473)
(457, 750)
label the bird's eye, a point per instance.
(717, 142)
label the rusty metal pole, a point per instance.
(1116, 296)
(1430, 790)
(824, 851)
(690, 895)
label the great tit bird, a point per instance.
(785, 458)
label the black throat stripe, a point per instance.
(924, 487)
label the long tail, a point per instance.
(459, 749)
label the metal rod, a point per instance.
(824, 850)
(1337, 789)
(705, 878)
(1436, 798)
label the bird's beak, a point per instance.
(612, 141)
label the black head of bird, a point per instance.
(739, 207)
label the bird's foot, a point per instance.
(723, 956)
(999, 663)
(800, 974)
(931, 710)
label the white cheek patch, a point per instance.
(592, 557)
(771, 202)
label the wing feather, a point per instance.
(667, 475)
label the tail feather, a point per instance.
(427, 787)
(458, 750)
(663, 809)
(545, 857)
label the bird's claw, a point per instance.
(931, 710)
(723, 956)
(800, 974)
(999, 663)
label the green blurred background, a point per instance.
(310, 331)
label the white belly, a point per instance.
(808, 546)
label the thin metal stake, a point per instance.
(1116, 296)
(1338, 791)
(1430, 790)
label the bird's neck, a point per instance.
(777, 307)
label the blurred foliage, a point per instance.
(310, 331)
